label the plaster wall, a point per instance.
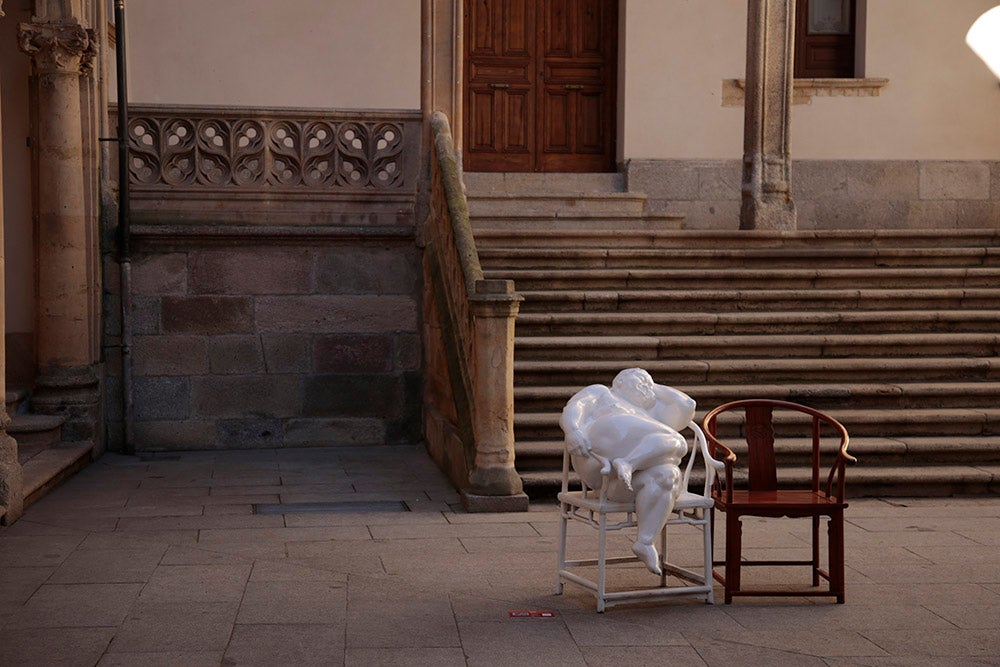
(343, 54)
(940, 103)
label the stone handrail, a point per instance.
(469, 402)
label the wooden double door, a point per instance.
(540, 85)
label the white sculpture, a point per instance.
(631, 430)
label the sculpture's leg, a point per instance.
(653, 450)
(654, 500)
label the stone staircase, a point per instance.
(46, 461)
(897, 334)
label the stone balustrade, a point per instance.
(469, 347)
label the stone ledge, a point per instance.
(475, 503)
(733, 90)
(227, 235)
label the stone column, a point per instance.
(11, 485)
(495, 485)
(767, 197)
(62, 50)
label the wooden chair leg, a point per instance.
(837, 585)
(734, 546)
(815, 550)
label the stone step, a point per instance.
(478, 183)
(764, 371)
(738, 323)
(15, 400)
(527, 206)
(646, 348)
(862, 481)
(944, 422)
(820, 396)
(495, 258)
(534, 455)
(755, 279)
(51, 467)
(604, 229)
(981, 241)
(759, 300)
(31, 430)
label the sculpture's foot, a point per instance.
(647, 554)
(624, 471)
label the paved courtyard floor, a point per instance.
(173, 560)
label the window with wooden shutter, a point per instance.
(825, 39)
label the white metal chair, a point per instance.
(591, 507)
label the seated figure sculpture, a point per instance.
(632, 431)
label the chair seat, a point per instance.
(593, 503)
(690, 501)
(783, 502)
(685, 501)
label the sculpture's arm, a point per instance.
(673, 408)
(572, 421)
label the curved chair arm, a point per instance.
(724, 485)
(712, 466)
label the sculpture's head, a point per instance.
(636, 386)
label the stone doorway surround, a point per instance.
(766, 180)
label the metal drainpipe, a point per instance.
(124, 240)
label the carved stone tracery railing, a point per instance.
(253, 149)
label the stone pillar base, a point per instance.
(773, 216)
(11, 484)
(73, 393)
(476, 503)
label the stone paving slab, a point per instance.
(163, 562)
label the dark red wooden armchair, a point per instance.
(764, 496)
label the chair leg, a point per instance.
(663, 557)
(815, 550)
(734, 544)
(562, 548)
(837, 555)
(706, 529)
(602, 564)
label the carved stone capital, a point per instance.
(58, 47)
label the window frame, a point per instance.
(844, 47)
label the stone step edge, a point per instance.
(777, 239)
(803, 391)
(846, 416)
(883, 480)
(861, 446)
(572, 317)
(836, 363)
(693, 274)
(755, 340)
(763, 294)
(34, 423)
(50, 467)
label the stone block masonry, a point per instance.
(275, 299)
(246, 346)
(833, 194)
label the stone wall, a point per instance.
(278, 311)
(833, 194)
(309, 343)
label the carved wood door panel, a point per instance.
(540, 81)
